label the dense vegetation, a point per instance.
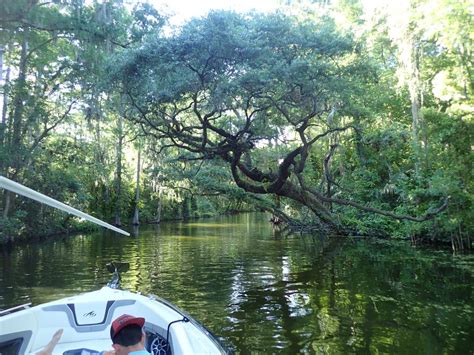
(334, 116)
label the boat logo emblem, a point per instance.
(90, 314)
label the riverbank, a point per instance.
(79, 227)
(8, 243)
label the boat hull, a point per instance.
(85, 320)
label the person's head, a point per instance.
(127, 334)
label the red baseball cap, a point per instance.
(123, 321)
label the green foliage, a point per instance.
(12, 227)
(79, 70)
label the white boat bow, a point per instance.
(86, 321)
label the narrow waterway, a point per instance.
(265, 293)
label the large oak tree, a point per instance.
(230, 86)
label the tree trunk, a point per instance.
(2, 49)
(18, 107)
(3, 125)
(13, 143)
(135, 220)
(118, 179)
(316, 206)
(5, 104)
(415, 128)
(158, 212)
(416, 98)
(4, 81)
(6, 207)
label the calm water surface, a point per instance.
(265, 293)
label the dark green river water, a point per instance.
(268, 294)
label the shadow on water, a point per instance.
(265, 292)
